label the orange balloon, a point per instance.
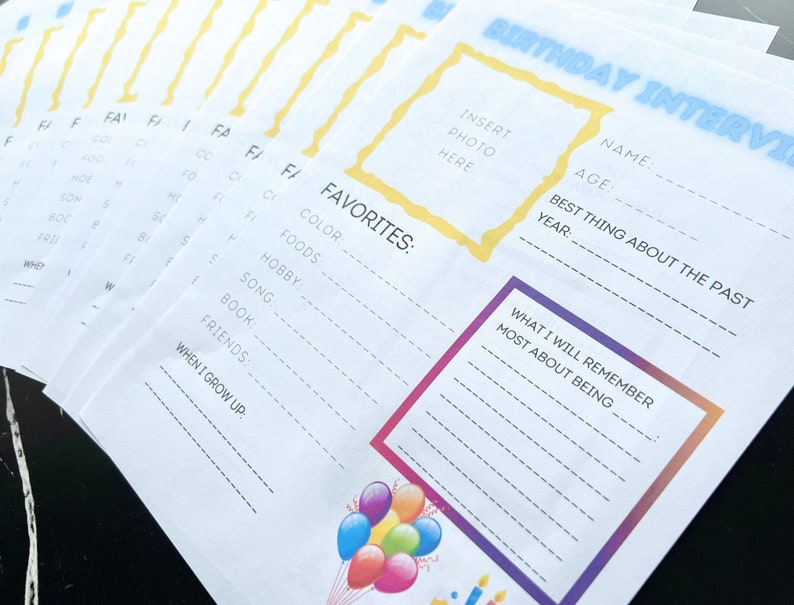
(408, 502)
(381, 529)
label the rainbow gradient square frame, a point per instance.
(482, 249)
(624, 528)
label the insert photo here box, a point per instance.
(461, 174)
(544, 440)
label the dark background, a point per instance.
(98, 544)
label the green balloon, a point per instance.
(401, 538)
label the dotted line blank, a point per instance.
(324, 356)
(303, 381)
(522, 462)
(18, 302)
(623, 298)
(723, 206)
(524, 433)
(363, 348)
(198, 445)
(295, 420)
(500, 475)
(658, 220)
(16, 283)
(622, 419)
(561, 404)
(557, 429)
(471, 512)
(479, 488)
(375, 313)
(400, 292)
(217, 430)
(654, 288)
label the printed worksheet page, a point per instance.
(246, 145)
(508, 340)
(312, 34)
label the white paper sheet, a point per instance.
(523, 302)
(117, 302)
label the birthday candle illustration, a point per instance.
(499, 597)
(476, 592)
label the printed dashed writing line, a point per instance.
(400, 292)
(198, 445)
(722, 206)
(479, 488)
(523, 432)
(328, 359)
(306, 384)
(654, 288)
(658, 220)
(522, 462)
(623, 298)
(374, 313)
(295, 420)
(18, 302)
(16, 283)
(545, 421)
(217, 430)
(560, 403)
(352, 338)
(622, 419)
(472, 513)
(499, 474)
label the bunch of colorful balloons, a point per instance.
(379, 542)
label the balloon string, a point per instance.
(343, 595)
(336, 586)
(342, 586)
(339, 593)
(355, 595)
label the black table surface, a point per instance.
(97, 543)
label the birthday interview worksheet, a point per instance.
(409, 301)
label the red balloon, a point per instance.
(366, 566)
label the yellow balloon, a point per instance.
(381, 529)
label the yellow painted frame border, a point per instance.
(330, 50)
(403, 32)
(483, 249)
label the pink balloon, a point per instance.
(399, 574)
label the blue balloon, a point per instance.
(429, 535)
(353, 533)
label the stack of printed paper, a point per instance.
(371, 301)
